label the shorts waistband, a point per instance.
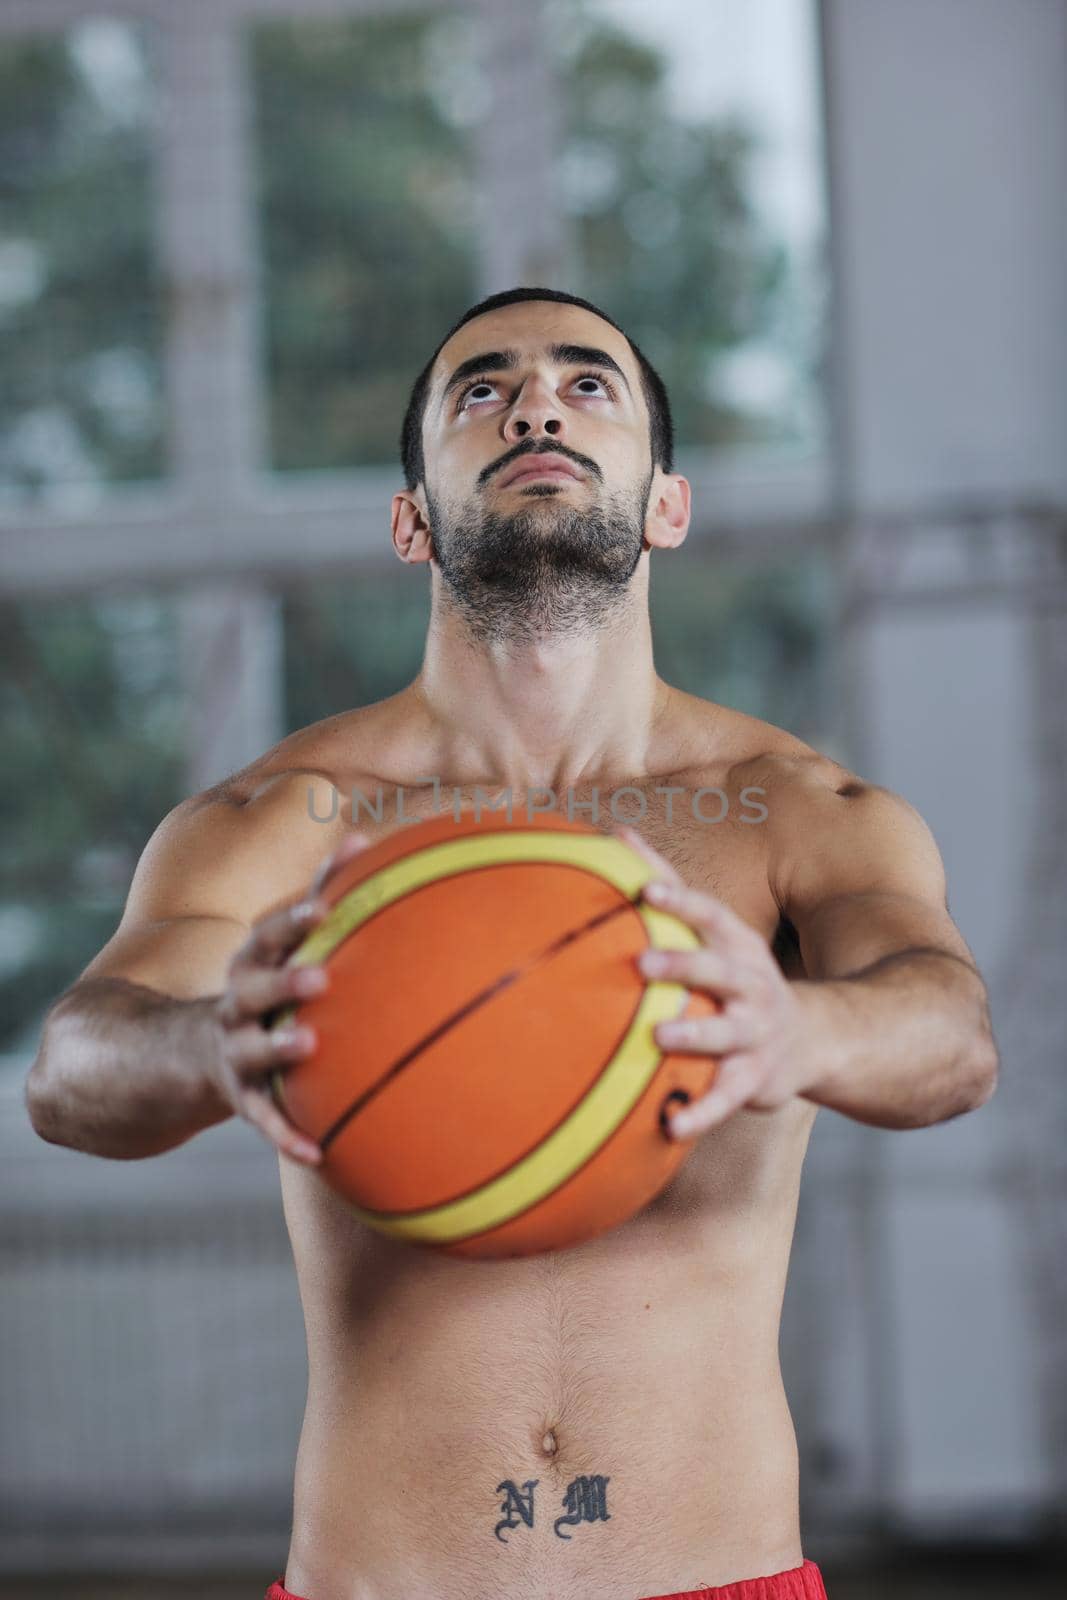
(797, 1583)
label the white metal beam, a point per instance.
(231, 631)
(231, 667)
(35, 16)
(524, 232)
(316, 522)
(209, 255)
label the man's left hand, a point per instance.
(760, 1037)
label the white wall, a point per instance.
(949, 155)
(948, 143)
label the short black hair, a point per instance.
(661, 427)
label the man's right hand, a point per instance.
(258, 983)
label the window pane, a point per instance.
(758, 639)
(92, 735)
(81, 314)
(351, 641)
(367, 213)
(691, 175)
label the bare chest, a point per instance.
(709, 827)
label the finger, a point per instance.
(713, 1036)
(736, 1081)
(697, 969)
(662, 866)
(258, 1108)
(255, 991)
(350, 846)
(253, 1052)
(275, 936)
(248, 1102)
(709, 916)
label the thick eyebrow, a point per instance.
(567, 355)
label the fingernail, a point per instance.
(652, 961)
(311, 981)
(309, 909)
(302, 1038)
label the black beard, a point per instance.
(546, 571)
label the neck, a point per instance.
(552, 712)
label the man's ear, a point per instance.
(667, 518)
(411, 526)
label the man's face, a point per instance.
(545, 555)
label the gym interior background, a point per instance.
(231, 233)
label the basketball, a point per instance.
(486, 1081)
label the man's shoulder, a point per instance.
(798, 773)
(333, 753)
(753, 752)
(807, 793)
(812, 802)
(261, 832)
(824, 820)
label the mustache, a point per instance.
(539, 450)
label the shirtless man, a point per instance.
(606, 1422)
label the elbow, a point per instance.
(988, 1080)
(975, 1076)
(39, 1103)
(40, 1092)
(985, 1067)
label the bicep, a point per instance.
(183, 920)
(845, 934)
(184, 957)
(865, 880)
(210, 871)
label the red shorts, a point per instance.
(799, 1583)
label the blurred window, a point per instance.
(687, 168)
(691, 178)
(92, 718)
(369, 232)
(81, 300)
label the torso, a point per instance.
(457, 1411)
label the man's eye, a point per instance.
(489, 383)
(468, 391)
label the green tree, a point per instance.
(81, 337)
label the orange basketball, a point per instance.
(486, 1081)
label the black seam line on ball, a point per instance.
(550, 950)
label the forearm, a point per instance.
(124, 1071)
(903, 1044)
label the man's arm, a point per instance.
(126, 1059)
(896, 1015)
(160, 1037)
(124, 1070)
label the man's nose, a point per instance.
(537, 410)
